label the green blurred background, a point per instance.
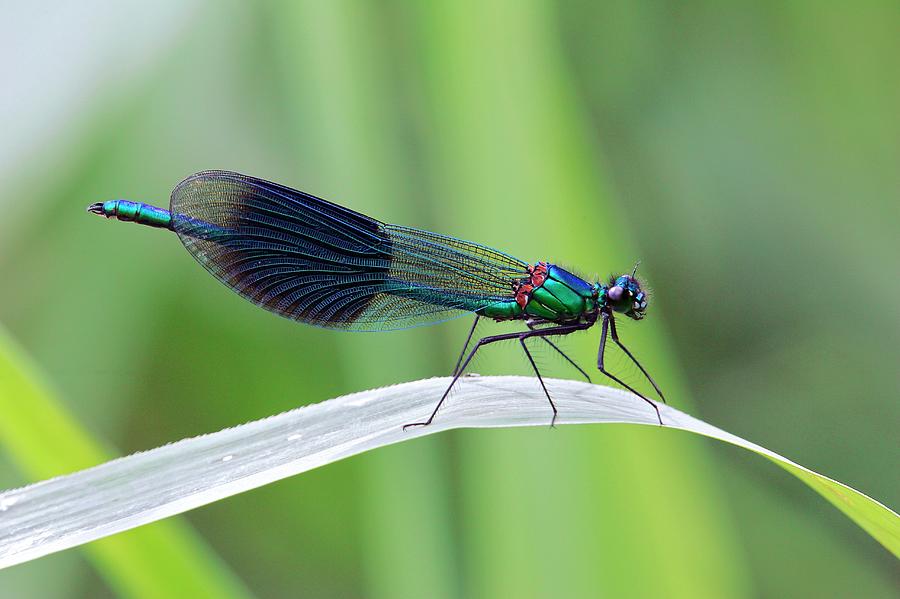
(747, 152)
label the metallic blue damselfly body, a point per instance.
(316, 262)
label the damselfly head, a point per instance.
(624, 295)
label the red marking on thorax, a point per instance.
(523, 294)
(537, 274)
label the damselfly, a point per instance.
(309, 260)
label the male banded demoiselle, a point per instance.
(310, 260)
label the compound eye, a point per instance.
(616, 293)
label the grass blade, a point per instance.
(71, 510)
(165, 560)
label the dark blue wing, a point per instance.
(307, 259)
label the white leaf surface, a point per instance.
(77, 508)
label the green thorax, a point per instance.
(547, 292)
(562, 297)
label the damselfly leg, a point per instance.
(615, 338)
(560, 330)
(604, 326)
(563, 354)
(530, 327)
(465, 345)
